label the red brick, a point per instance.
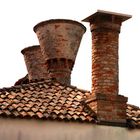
(105, 28)
(59, 42)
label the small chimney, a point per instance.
(59, 41)
(35, 63)
(105, 28)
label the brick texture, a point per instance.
(109, 108)
(105, 62)
(105, 35)
(59, 41)
(106, 102)
(35, 63)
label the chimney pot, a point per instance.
(59, 41)
(35, 63)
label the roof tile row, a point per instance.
(51, 100)
(47, 100)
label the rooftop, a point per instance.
(51, 100)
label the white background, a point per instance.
(17, 18)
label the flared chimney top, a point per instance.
(35, 63)
(57, 21)
(59, 41)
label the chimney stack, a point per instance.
(59, 42)
(105, 28)
(35, 63)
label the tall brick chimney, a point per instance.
(35, 63)
(59, 41)
(105, 28)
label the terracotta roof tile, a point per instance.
(44, 99)
(133, 116)
(52, 100)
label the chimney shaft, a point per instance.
(59, 41)
(35, 63)
(105, 28)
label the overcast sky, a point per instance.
(18, 17)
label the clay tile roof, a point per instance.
(44, 100)
(52, 100)
(133, 116)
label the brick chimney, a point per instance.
(105, 28)
(35, 63)
(59, 41)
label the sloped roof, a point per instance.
(44, 100)
(133, 116)
(51, 100)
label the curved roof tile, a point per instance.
(51, 100)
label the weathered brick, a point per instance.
(105, 28)
(59, 41)
(35, 63)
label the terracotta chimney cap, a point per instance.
(120, 16)
(59, 41)
(30, 47)
(58, 20)
(35, 63)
